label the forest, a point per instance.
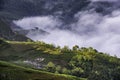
(84, 63)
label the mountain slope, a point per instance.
(12, 72)
(81, 62)
(7, 33)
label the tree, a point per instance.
(58, 69)
(75, 48)
(77, 71)
(65, 49)
(82, 61)
(65, 71)
(116, 74)
(50, 67)
(100, 73)
(29, 40)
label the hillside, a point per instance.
(28, 27)
(81, 62)
(12, 72)
(7, 33)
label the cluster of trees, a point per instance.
(81, 62)
(88, 63)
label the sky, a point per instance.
(105, 0)
(91, 29)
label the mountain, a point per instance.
(20, 57)
(21, 73)
(80, 62)
(7, 33)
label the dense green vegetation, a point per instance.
(12, 72)
(80, 62)
(91, 64)
(41, 61)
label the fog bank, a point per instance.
(90, 30)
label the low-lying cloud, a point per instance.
(90, 30)
(43, 22)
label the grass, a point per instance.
(12, 72)
(27, 51)
(20, 52)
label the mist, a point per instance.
(90, 30)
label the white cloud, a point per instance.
(43, 22)
(92, 30)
